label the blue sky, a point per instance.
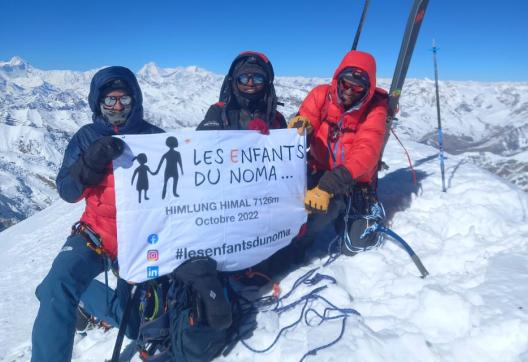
(478, 40)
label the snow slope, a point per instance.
(473, 306)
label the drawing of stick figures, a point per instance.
(173, 159)
(142, 172)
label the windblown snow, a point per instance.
(472, 307)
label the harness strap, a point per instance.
(341, 129)
(334, 136)
(95, 243)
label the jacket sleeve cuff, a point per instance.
(338, 181)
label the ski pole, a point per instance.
(360, 25)
(440, 137)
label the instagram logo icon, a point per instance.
(152, 255)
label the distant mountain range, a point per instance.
(40, 110)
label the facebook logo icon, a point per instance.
(153, 238)
(152, 272)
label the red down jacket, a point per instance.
(358, 133)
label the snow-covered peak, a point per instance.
(15, 67)
(196, 70)
(150, 70)
(17, 61)
(20, 73)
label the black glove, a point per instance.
(90, 168)
(338, 181)
(200, 274)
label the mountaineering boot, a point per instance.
(82, 321)
(86, 322)
(355, 243)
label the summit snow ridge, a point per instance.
(40, 110)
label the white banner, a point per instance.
(236, 196)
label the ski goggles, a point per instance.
(258, 79)
(110, 101)
(347, 84)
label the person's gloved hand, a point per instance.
(317, 200)
(90, 168)
(337, 181)
(102, 152)
(258, 124)
(301, 123)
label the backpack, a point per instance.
(186, 315)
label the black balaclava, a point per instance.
(241, 108)
(246, 100)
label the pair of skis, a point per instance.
(410, 36)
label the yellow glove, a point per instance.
(301, 123)
(317, 200)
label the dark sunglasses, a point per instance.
(111, 101)
(257, 79)
(356, 88)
